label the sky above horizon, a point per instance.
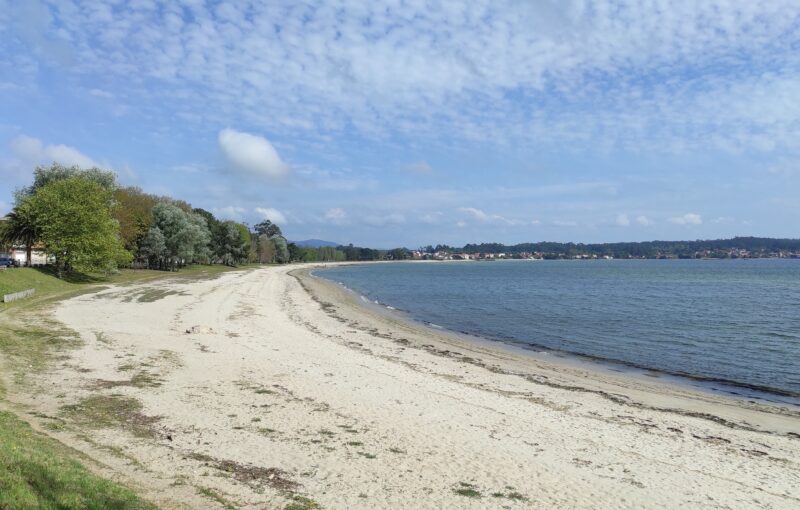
(410, 123)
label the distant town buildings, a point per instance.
(730, 253)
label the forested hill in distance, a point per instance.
(736, 247)
(316, 243)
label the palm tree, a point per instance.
(18, 228)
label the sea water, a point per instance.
(734, 324)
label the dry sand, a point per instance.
(286, 387)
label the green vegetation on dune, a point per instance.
(15, 280)
(48, 286)
(37, 472)
(83, 220)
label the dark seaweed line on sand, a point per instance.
(330, 309)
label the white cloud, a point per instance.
(644, 221)
(483, 217)
(687, 219)
(272, 214)
(624, 73)
(623, 220)
(251, 154)
(230, 212)
(431, 218)
(336, 216)
(475, 213)
(32, 150)
(389, 219)
(419, 167)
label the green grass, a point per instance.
(150, 295)
(112, 411)
(467, 490)
(299, 502)
(31, 345)
(15, 280)
(516, 496)
(49, 287)
(216, 496)
(37, 472)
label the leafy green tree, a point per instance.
(398, 254)
(134, 212)
(281, 249)
(229, 245)
(211, 222)
(186, 234)
(266, 250)
(19, 228)
(44, 175)
(247, 241)
(296, 253)
(268, 229)
(153, 248)
(74, 222)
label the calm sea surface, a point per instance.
(735, 323)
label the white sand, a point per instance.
(363, 411)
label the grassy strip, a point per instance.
(49, 288)
(15, 280)
(37, 472)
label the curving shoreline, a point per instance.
(697, 358)
(269, 386)
(633, 388)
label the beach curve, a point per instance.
(270, 386)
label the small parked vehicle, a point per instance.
(6, 262)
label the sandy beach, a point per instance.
(271, 387)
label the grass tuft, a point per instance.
(467, 490)
(301, 503)
(110, 411)
(513, 495)
(216, 496)
(39, 472)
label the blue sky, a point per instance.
(408, 123)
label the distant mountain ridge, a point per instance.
(316, 243)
